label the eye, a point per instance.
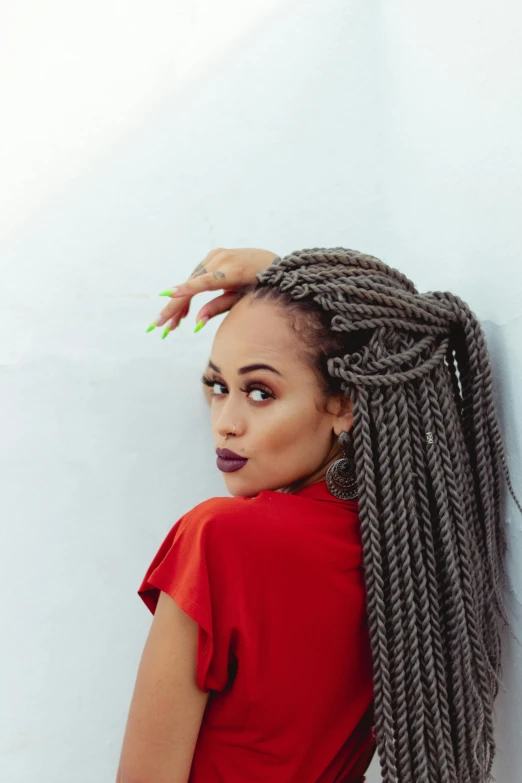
(260, 388)
(211, 383)
(256, 388)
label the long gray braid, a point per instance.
(428, 454)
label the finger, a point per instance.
(216, 306)
(216, 256)
(211, 261)
(173, 323)
(206, 282)
(207, 268)
(173, 309)
(210, 281)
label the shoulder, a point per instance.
(226, 510)
(236, 517)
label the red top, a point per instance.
(275, 583)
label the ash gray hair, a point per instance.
(428, 454)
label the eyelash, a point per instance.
(248, 387)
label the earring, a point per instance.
(340, 476)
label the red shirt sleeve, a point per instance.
(188, 567)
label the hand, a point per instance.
(226, 268)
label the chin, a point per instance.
(238, 486)
(246, 488)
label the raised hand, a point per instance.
(222, 268)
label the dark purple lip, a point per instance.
(227, 454)
(229, 465)
(228, 460)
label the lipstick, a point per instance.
(228, 460)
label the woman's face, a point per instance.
(278, 426)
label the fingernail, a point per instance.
(201, 324)
(152, 326)
(168, 292)
(165, 332)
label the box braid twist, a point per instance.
(428, 455)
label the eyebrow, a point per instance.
(248, 368)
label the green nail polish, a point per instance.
(152, 326)
(165, 332)
(167, 292)
(200, 325)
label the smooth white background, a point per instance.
(134, 139)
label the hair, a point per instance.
(428, 453)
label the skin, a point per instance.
(290, 439)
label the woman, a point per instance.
(346, 596)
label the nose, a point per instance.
(228, 424)
(224, 432)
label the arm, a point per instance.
(167, 706)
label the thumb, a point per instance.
(220, 304)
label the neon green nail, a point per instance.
(165, 332)
(152, 326)
(200, 325)
(167, 292)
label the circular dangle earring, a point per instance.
(340, 476)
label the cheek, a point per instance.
(288, 428)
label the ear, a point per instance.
(342, 411)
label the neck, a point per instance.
(316, 476)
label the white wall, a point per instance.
(134, 139)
